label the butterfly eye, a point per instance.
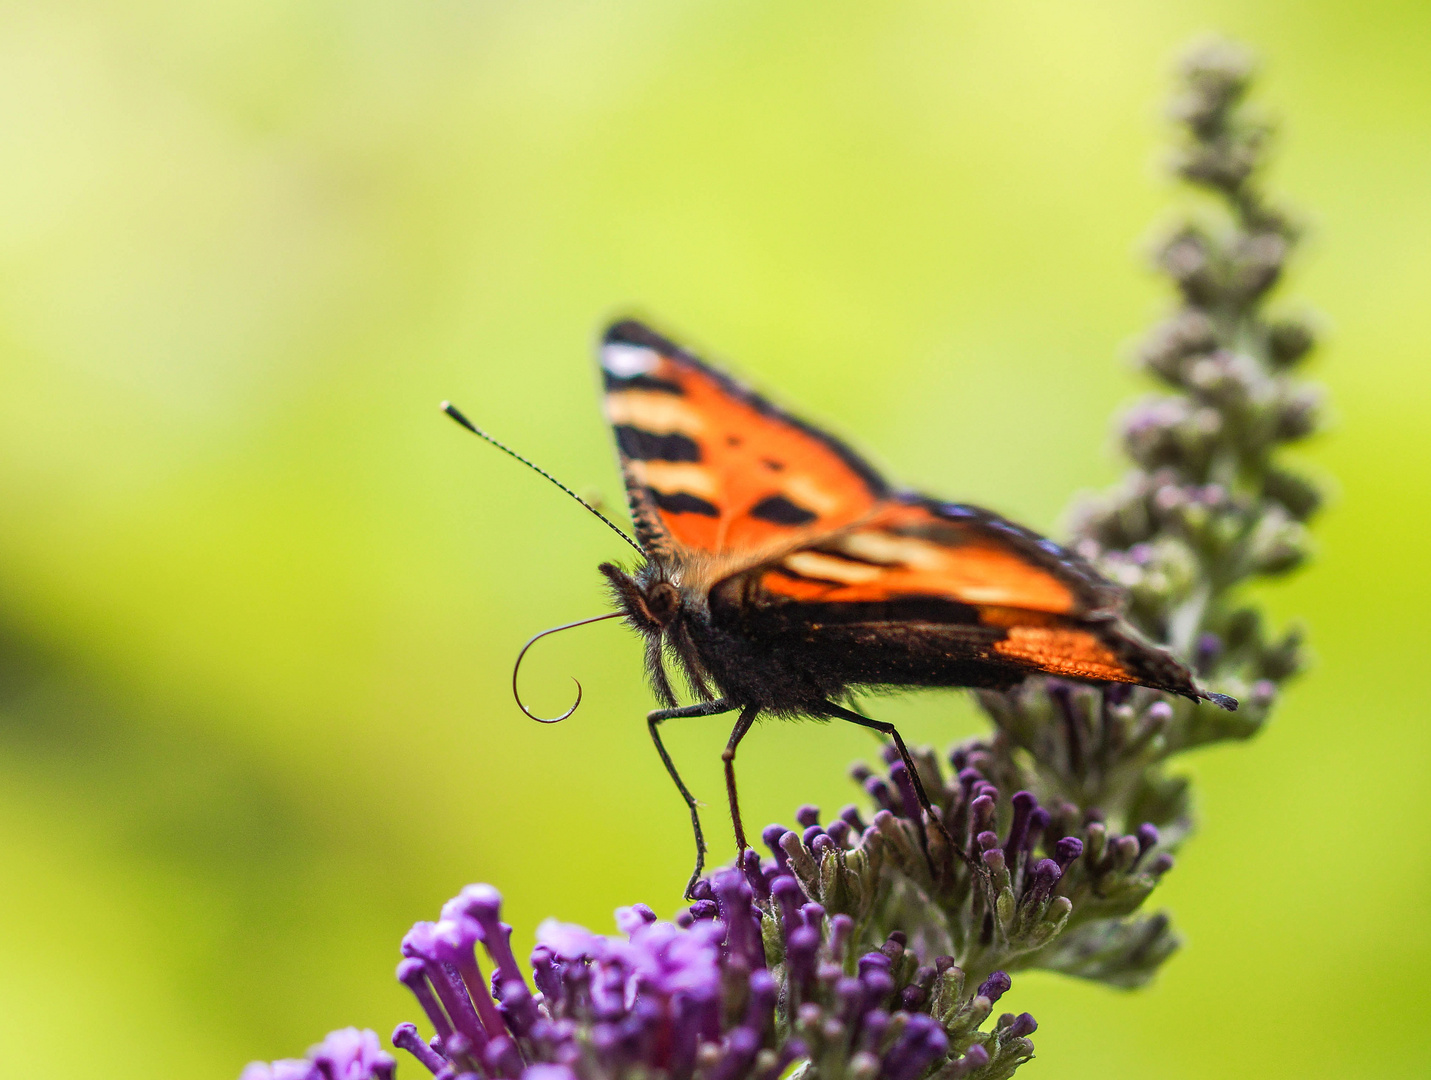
(662, 601)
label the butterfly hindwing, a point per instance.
(712, 467)
(924, 592)
(912, 547)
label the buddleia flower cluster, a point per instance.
(753, 982)
(1049, 836)
(876, 945)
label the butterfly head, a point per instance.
(651, 602)
(656, 606)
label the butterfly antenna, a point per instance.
(452, 411)
(518, 666)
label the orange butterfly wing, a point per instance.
(712, 467)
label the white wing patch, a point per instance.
(625, 361)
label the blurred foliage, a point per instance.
(259, 601)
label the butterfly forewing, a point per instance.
(713, 467)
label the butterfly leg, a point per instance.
(747, 717)
(885, 728)
(653, 721)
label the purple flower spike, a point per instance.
(872, 1030)
(839, 832)
(908, 797)
(517, 1006)
(823, 845)
(704, 909)
(630, 919)
(808, 836)
(1066, 850)
(1147, 837)
(405, 1037)
(412, 973)
(455, 941)
(789, 896)
(771, 835)
(1024, 804)
(800, 948)
(433, 944)
(740, 1050)
(1161, 865)
(850, 815)
(760, 1007)
(754, 875)
(742, 925)
(879, 792)
(484, 904)
(987, 839)
(873, 961)
(849, 1000)
(879, 984)
(841, 927)
(1023, 1026)
(1038, 822)
(459, 1050)
(923, 1042)
(911, 997)
(976, 1057)
(1044, 877)
(545, 974)
(995, 986)
(808, 815)
(981, 813)
(502, 1057)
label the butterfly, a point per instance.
(781, 573)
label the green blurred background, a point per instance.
(259, 600)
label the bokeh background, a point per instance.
(259, 600)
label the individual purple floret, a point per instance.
(346, 1054)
